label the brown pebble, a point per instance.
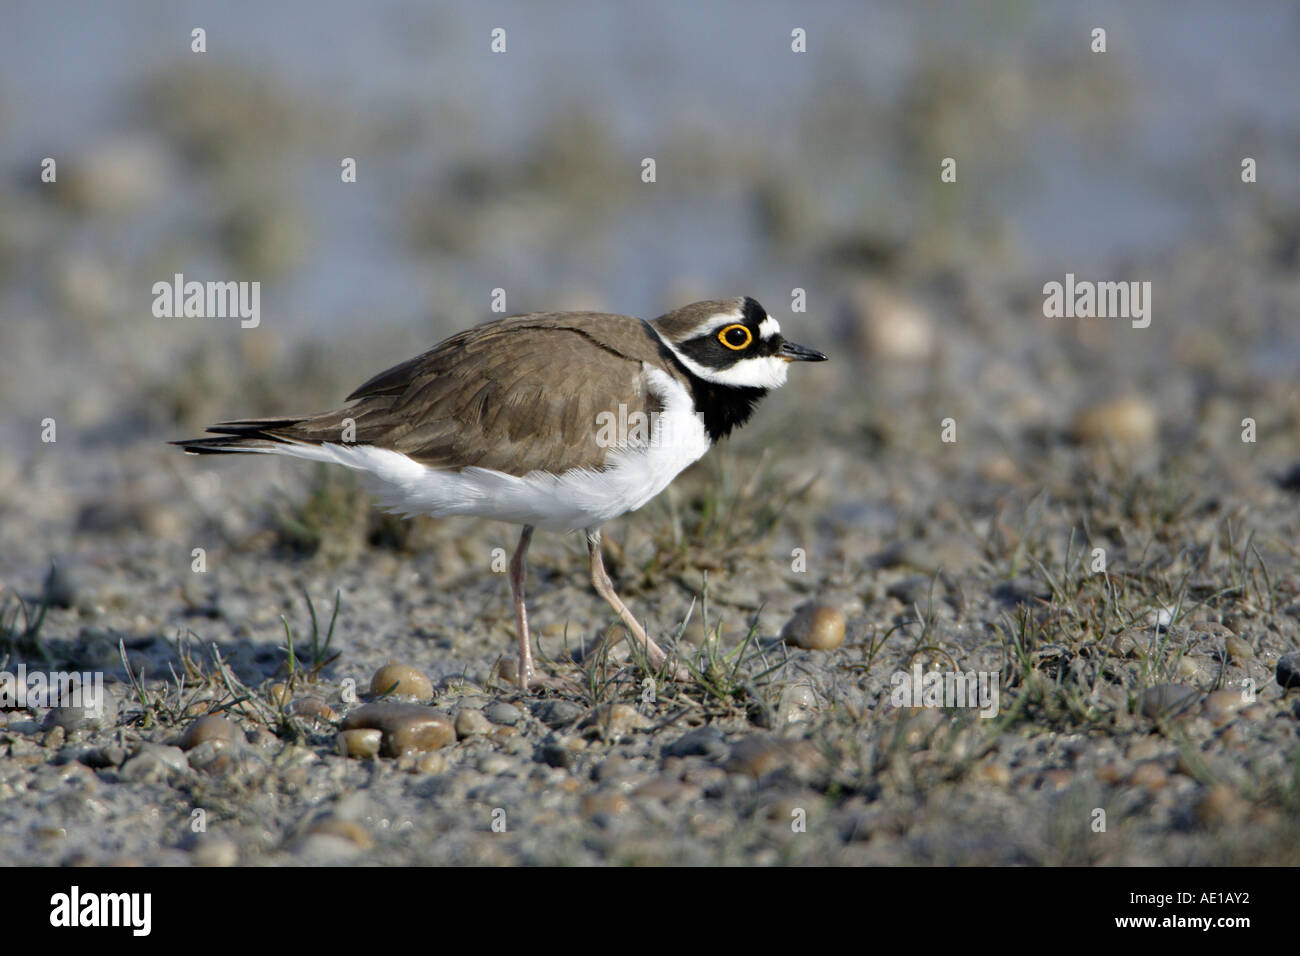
(431, 763)
(210, 727)
(363, 744)
(1056, 779)
(401, 681)
(1150, 776)
(616, 720)
(815, 627)
(604, 803)
(405, 726)
(345, 829)
(1239, 651)
(1221, 706)
(313, 708)
(995, 773)
(1131, 420)
(279, 694)
(1221, 805)
(471, 722)
(1110, 773)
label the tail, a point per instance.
(254, 435)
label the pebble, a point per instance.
(1167, 700)
(815, 627)
(1149, 776)
(431, 763)
(705, 742)
(603, 803)
(472, 723)
(313, 708)
(798, 703)
(214, 851)
(1131, 420)
(100, 758)
(760, 754)
(1221, 805)
(558, 713)
(83, 718)
(1239, 651)
(211, 727)
(1288, 670)
(617, 720)
(406, 682)
(348, 830)
(405, 727)
(153, 763)
(499, 712)
(1221, 707)
(363, 744)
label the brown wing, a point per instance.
(516, 395)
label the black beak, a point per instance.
(799, 353)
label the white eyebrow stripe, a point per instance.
(768, 328)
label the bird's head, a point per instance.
(732, 342)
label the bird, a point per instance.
(553, 420)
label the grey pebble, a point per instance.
(557, 713)
(153, 763)
(704, 742)
(499, 712)
(1167, 700)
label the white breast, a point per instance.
(575, 499)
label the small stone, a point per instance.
(279, 694)
(815, 627)
(705, 742)
(400, 681)
(363, 744)
(499, 712)
(1149, 776)
(431, 763)
(612, 721)
(995, 773)
(406, 727)
(798, 703)
(1239, 651)
(1288, 670)
(1056, 780)
(1221, 707)
(1130, 420)
(348, 830)
(1167, 700)
(558, 713)
(100, 758)
(760, 754)
(103, 716)
(214, 851)
(1110, 773)
(153, 763)
(603, 803)
(472, 723)
(1221, 805)
(60, 588)
(313, 708)
(212, 727)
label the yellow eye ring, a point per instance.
(736, 346)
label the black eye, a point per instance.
(735, 337)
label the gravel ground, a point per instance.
(1141, 714)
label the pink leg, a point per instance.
(517, 571)
(605, 588)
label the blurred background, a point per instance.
(776, 170)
